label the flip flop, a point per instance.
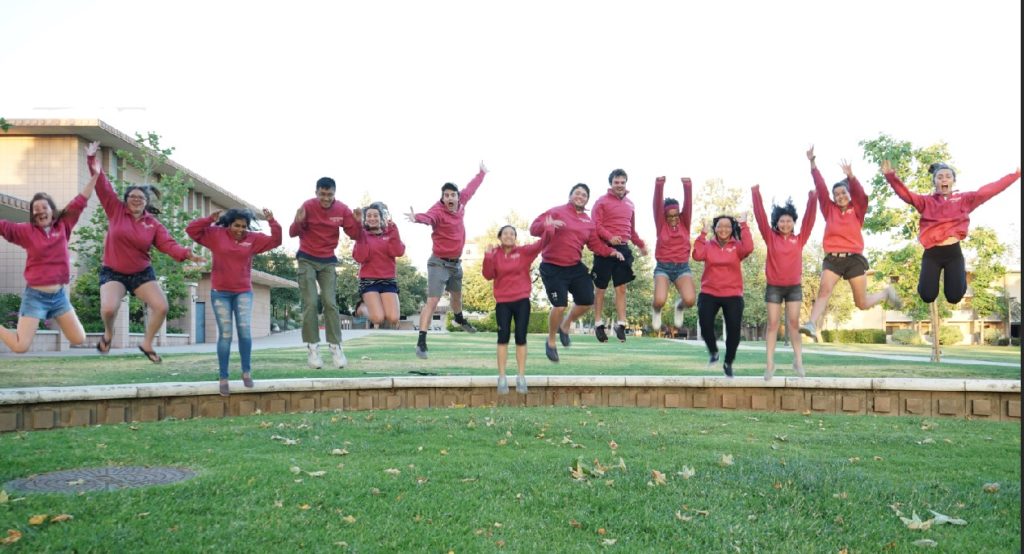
(153, 356)
(103, 346)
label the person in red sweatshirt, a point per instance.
(945, 219)
(614, 220)
(317, 225)
(47, 267)
(562, 268)
(844, 245)
(721, 284)
(232, 241)
(133, 230)
(444, 267)
(375, 250)
(783, 270)
(508, 266)
(672, 252)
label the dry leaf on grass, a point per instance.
(686, 472)
(657, 478)
(576, 524)
(609, 542)
(349, 519)
(38, 519)
(61, 517)
(926, 542)
(915, 523)
(13, 536)
(295, 469)
(339, 452)
(4, 497)
(990, 487)
(681, 517)
(725, 460)
(393, 471)
(304, 506)
(316, 473)
(941, 519)
(613, 445)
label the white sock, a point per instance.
(655, 320)
(622, 323)
(598, 322)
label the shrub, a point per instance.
(854, 336)
(907, 336)
(950, 334)
(991, 336)
(10, 304)
(489, 324)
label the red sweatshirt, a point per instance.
(784, 267)
(126, 248)
(722, 273)
(48, 262)
(673, 244)
(449, 231)
(566, 246)
(376, 253)
(232, 259)
(947, 216)
(510, 270)
(614, 217)
(842, 227)
(318, 233)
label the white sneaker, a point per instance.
(678, 315)
(313, 359)
(809, 330)
(655, 321)
(503, 385)
(521, 384)
(338, 356)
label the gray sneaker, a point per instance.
(809, 330)
(421, 351)
(620, 332)
(503, 385)
(520, 384)
(467, 327)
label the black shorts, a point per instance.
(846, 266)
(131, 281)
(377, 285)
(560, 281)
(611, 269)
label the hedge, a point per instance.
(854, 336)
(538, 323)
(907, 336)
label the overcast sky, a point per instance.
(393, 99)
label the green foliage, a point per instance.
(489, 323)
(907, 336)
(477, 292)
(840, 304)
(1007, 307)
(284, 302)
(10, 305)
(991, 336)
(985, 250)
(4, 125)
(854, 336)
(85, 297)
(412, 287)
(950, 334)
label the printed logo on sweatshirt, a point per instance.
(336, 219)
(245, 244)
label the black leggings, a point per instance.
(732, 312)
(950, 261)
(504, 312)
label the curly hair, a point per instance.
(234, 214)
(779, 211)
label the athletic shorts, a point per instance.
(560, 281)
(131, 281)
(777, 295)
(443, 275)
(846, 265)
(673, 271)
(377, 285)
(611, 269)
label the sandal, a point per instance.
(103, 346)
(153, 356)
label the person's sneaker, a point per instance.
(809, 330)
(338, 356)
(678, 315)
(313, 358)
(712, 360)
(620, 332)
(224, 389)
(551, 352)
(421, 351)
(893, 297)
(656, 321)
(247, 380)
(502, 385)
(467, 327)
(521, 384)
(799, 371)
(563, 337)
(600, 334)
(727, 368)
(768, 373)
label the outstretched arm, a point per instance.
(686, 217)
(659, 203)
(809, 215)
(986, 192)
(858, 196)
(759, 214)
(470, 189)
(901, 190)
(746, 241)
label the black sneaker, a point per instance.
(713, 359)
(727, 368)
(620, 332)
(421, 350)
(551, 352)
(600, 334)
(564, 337)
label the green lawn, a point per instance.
(461, 354)
(487, 479)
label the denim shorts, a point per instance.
(131, 281)
(378, 285)
(44, 305)
(672, 270)
(778, 295)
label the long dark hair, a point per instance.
(150, 191)
(229, 217)
(778, 211)
(735, 226)
(49, 200)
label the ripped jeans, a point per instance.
(239, 304)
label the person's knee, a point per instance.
(158, 309)
(21, 348)
(108, 312)
(954, 297)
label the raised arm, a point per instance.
(700, 244)
(396, 248)
(986, 192)
(809, 215)
(263, 243)
(488, 269)
(469, 190)
(746, 241)
(197, 228)
(298, 226)
(901, 190)
(858, 196)
(763, 226)
(532, 250)
(686, 217)
(537, 227)
(104, 190)
(659, 204)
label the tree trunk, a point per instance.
(936, 350)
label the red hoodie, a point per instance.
(126, 248)
(449, 231)
(947, 216)
(566, 247)
(784, 267)
(673, 244)
(615, 217)
(48, 262)
(318, 233)
(842, 227)
(232, 259)
(376, 253)
(510, 270)
(723, 276)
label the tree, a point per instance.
(4, 125)
(283, 301)
(477, 292)
(412, 287)
(840, 304)
(986, 251)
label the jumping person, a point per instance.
(672, 252)
(614, 220)
(508, 266)
(844, 245)
(133, 230)
(232, 241)
(721, 284)
(444, 267)
(562, 268)
(317, 225)
(783, 270)
(945, 219)
(47, 267)
(376, 248)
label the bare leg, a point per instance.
(793, 326)
(520, 358)
(599, 305)
(772, 335)
(554, 321)
(19, 341)
(427, 312)
(620, 302)
(861, 298)
(71, 327)
(684, 284)
(153, 296)
(456, 300)
(574, 314)
(111, 295)
(660, 297)
(391, 308)
(503, 358)
(828, 282)
(374, 307)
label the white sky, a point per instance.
(392, 99)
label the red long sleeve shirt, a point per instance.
(449, 230)
(784, 267)
(673, 244)
(232, 259)
(615, 217)
(947, 216)
(510, 270)
(126, 248)
(48, 261)
(722, 273)
(566, 246)
(842, 227)
(376, 254)
(319, 232)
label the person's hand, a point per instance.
(483, 167)
(810, 193)
(618, 256)
(196, 258)
(92, 148)
(847, 168)
(300, 215)
(358, 214)
(686, 181)
(660, 181)
(886, 166)
(742, 218)
(643, 250)
(267, 214)
(490, 249)
(756, 188)
(215, 214)
(554, 223)
(707, 227)
(810, 153)
(411, 215)
(615, 241)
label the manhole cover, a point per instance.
(100, 479)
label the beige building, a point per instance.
(49, 155)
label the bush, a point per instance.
(10, 304)
(854, 336)
(489, 324)
(950, 334)
(991, 336)
(907, 336)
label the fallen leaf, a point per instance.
(502, 442)
(498, 524)
(339, 452)
(726, 460)
(444, 452)
(777, 485)
(393, 471)
(609, 542)
(61, 517)
(781, 438)
(141, 515)
(304, 506)
(76, 482)
(806, 412)
(375, 491)
(38, 519)
(687, 472)
(613, 445)
(990, 487)
(658, 477)
(4, 497)
(295, 469)
(265, 424)
(926, 542)
(576, 524)
(916, 524)
(683, 518)
(316, 473)
(13, 536)
(877, 458)
(349, 519)
(422, 480)
(702, 512)
(277, 504)
(854, 459)
(941, 519)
